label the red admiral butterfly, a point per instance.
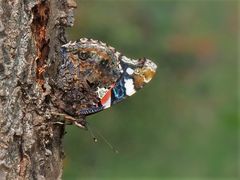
(93, 76)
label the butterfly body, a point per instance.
(93, 76)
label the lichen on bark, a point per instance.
(31, 33)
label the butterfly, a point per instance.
(93, 76)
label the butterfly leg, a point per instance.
(81, 122)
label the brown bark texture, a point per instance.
(31, 33)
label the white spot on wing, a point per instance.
(129, 61)
(130, 71)
(94, 41)
(101, 92)
(83, 40)
(130, 90)
(68, 44)
(117, 54)
(102, 43)
(120, 68)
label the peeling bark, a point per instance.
(31, 33)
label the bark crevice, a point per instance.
(39, 29)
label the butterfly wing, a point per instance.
(133, 78)
(93, 76)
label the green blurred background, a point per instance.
(184, 123)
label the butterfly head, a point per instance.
(140, 71)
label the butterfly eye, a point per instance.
(103, 63)
(83, 55)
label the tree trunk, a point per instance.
(31, 33)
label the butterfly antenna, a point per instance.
(103, 138)
(92, 134)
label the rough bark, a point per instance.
(31, 32)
